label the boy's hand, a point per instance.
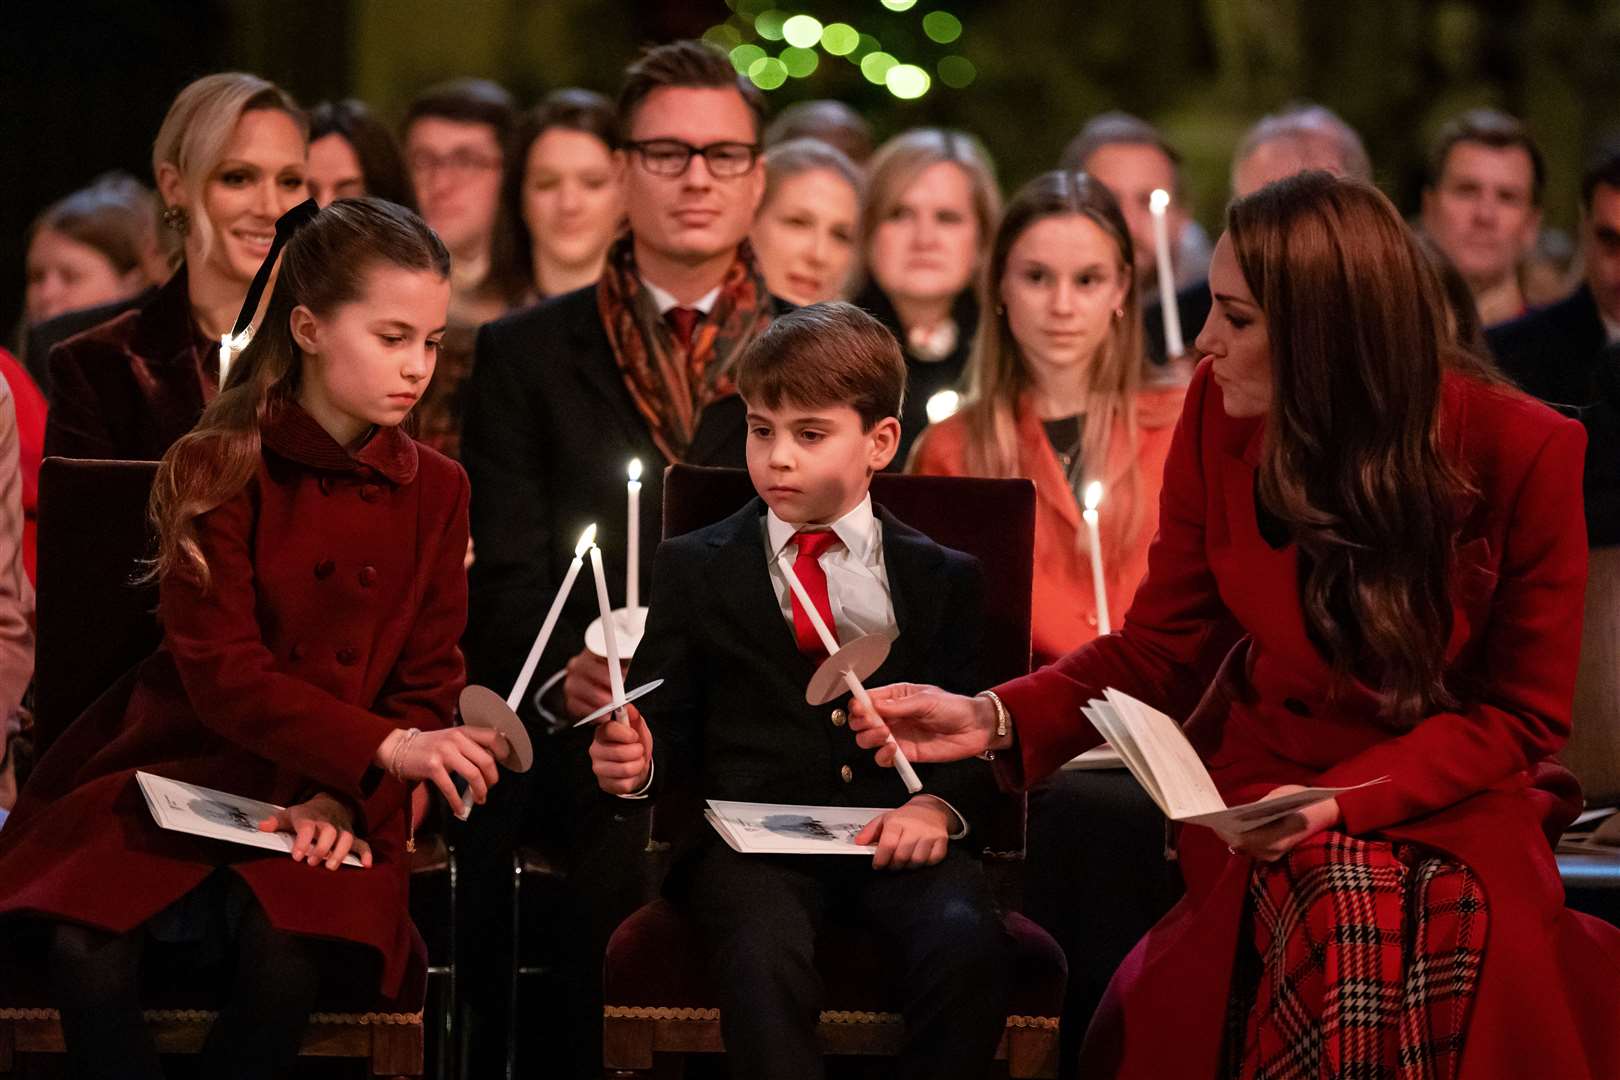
(917, 834)
(621, 753)
(586, 687)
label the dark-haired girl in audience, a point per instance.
(229, 161)
(931, 207)
(804, 234)
(352, 153)
(311, 590)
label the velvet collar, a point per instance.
(293, 433)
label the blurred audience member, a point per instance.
(1055, 395)
(16, 608)
(564, 198)
(1134, 159)
(229, 160)
(30, 413)
(1549, 274)
(1565, 354)
(1300, 137)
(804, 236)
(1482, 205)
(931, 208)
(352, 153)
(828, 121)
(456, 137)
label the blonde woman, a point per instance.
(931, 207)
(804, 235)
(229, 160)
(1055, 394)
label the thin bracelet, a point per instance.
(399, 752)
(1003, 720)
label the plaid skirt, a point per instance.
(1360, 962)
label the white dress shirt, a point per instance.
(1611, 328)
(666, 300)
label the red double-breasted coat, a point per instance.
(1476, 784)
(336, 600)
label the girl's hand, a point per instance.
(434, 755)
(929, 723)
(1271, 842)
(323, 831)
(916, 834)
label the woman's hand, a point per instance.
(323, 831)
(1271, 842)
(916, 834)
(929, 723)
(434, 755)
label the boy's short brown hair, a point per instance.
(826, 355)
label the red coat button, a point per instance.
(368, 576)
(326, 485)
(297, 652)
(324, 568)
(348, 656)
(371, 493)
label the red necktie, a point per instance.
(683, 321)
(807, 568)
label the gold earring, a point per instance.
(176, 218)
(1119, 313)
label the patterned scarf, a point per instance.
(672, 383)
(1366, 958)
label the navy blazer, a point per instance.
(731, 716)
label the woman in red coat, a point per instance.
(312, 594)
(1386, 545)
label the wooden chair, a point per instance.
(656, 984)
(93, 625)
(1592, 878)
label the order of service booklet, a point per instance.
(1157, 753)
(783, 829)
(219, 815)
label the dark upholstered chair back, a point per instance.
(95, 623)
(993, 520)
(1593, 751)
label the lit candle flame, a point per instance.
(586, 539)
(1159, 201)
(634, 470)
(943, 405)
(1094, 494)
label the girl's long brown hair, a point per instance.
(998, 375)
(325, 264)
(1352, 459)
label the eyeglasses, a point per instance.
(461, 164)
(672, 157)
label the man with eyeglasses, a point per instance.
(562, 397)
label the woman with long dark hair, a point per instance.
(311, 589)
(1385, 543)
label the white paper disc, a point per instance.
(482, 707)
(863, 656)
(629, 624)
(613, 706)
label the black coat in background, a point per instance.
(1193, 304)
(1561, 355)
(924, 378)
(731, 720)
(45, 336)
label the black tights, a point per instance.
(95, 977)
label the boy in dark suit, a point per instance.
(823, 388)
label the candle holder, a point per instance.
(629, 625)
(482, 707)
(614, 706)
(861, 658)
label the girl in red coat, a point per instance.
(312, 593)
(1386, 544)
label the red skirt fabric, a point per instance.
(1365, 960)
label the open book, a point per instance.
(1166, 765)
(202, 811)
(780, 829)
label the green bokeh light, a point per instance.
(725, 36)
(840, 39)
(907, 81)
(768, 73)
(800, 63)
(865, 46)
(802, 31)
(744, 57)
(751, 8)
(769, 25)
(957, 72)
(942, 26)
(875, 66)
(899, 5)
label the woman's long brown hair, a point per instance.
(1352, 459)
(326, 264)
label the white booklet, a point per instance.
(202, 811)
(783, 829)
(1158, 754)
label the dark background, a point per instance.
(85, 83)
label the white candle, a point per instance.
(902, 765)
(632, 574)
(225, 357)
(609, 639)
(520, 687)
(1099, 582)
(1159, 203)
